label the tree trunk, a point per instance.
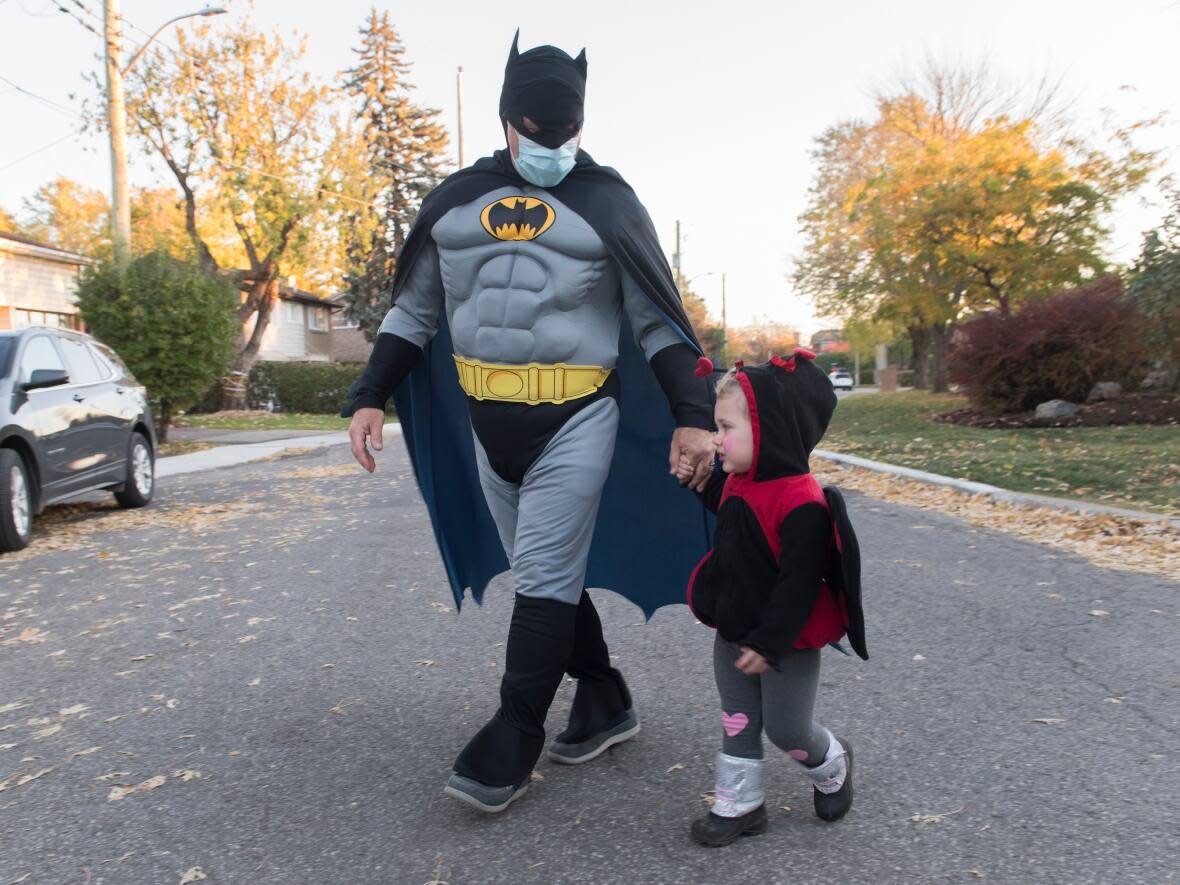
(234, 385)
(920, 344)
(164, 421)
(939, 336)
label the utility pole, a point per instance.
(459, 102)
(117, 123)
(117, 118)
(676, 256)
(723, 325)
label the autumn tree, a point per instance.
(7, 222)
(762, 339)
(65, 214)
(403, 145)
(954, 201)
(244, 132)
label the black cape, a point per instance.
(650, 532)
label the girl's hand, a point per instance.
(751, 663)
(684, 470)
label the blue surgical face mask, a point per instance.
(542, 166)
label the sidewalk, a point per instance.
(244, 446)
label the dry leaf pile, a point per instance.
(1106, 540)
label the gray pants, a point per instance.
(779, 702)
(546, 522)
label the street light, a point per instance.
(117, 118)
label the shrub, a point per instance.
(173, 325)
(1050, 349)
(317, 388)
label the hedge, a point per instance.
(314, 388)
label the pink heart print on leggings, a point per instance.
(735, 723)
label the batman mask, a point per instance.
(549, 87)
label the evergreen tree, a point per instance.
(405, 144)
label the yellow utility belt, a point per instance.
(533, 383)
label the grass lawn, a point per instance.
(1134, 466)
(263, 421)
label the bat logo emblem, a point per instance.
(517, 218)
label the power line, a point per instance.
(38, 151)
(80, 20)
(41, 98)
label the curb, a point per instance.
(232, 455)
(995, 492)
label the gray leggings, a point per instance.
(779, 702)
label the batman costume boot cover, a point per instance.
(602, 713)
(495, 766)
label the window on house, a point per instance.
(44, 318)
(293, 311)
(318, 321)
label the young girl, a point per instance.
(773, 587)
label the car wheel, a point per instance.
(141, 474)
(16, 502)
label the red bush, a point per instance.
(1051, 349)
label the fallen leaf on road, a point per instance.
(919, 657)
(187, 774)
(1048, 721)
(151, 783)
(1097, 613)
(244, 639)
(536, 776)
(254, 683)
(47, 732)
(1114, 700)
(679, 766)
(85, 752)
(8, 746)
(112, 775)
(8, 708)
(937, 818)
(74, 710)
(424, 663)
(194, 874)
(141, 658)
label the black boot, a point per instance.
(602, 714)
(714, 831)
(833, 806)
(495, 766)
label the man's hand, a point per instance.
(751, 663)
(697, 446)
(366, 424)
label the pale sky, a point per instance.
(708, 110)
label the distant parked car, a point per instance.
(841, 380)
(72, 420)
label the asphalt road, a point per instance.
(275, 641)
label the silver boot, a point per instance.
(738, 808)
(832, 780)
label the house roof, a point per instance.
(11, 242)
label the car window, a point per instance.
(39, 353)
(79, 362)
(108, 356)
(105, 368)
(5, 350)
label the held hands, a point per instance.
(366, 424)
(751, 663)
(691, 457)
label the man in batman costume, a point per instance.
(540, 360)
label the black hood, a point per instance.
(548, 86)
(791, 402)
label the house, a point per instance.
(830, 341)
(37, 283)
(349, 344)
(300, 328)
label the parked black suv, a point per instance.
(72, 420)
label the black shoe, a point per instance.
(493, 800)
(623, 729)
(714, 831)
(833, 806)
